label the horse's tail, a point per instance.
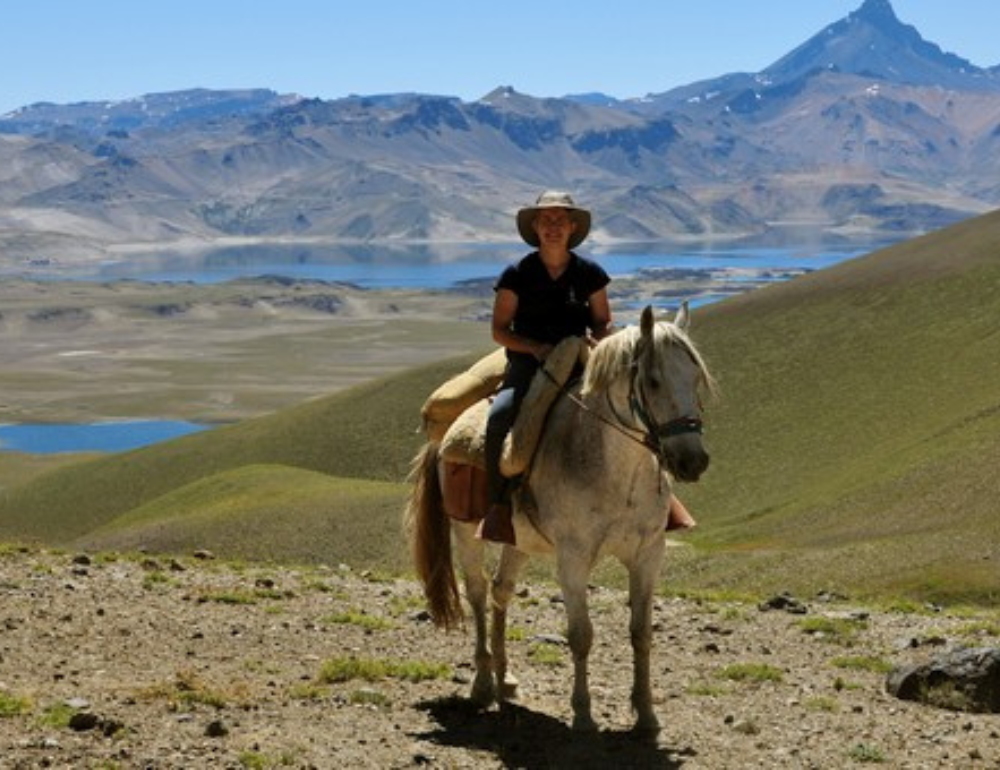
(430, 539)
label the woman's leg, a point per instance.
(497, 525)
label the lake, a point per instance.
(95, 437)
(436, 267)
(410, 267)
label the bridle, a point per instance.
(651, 434)
(655, 432)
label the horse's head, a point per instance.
(668, 375)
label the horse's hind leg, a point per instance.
(504, 582)
(470, 554)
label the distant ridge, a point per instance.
(166, 110)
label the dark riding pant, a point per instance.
(503, 411)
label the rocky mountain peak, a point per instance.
(876, 12)
(873, 42)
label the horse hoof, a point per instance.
(646, 730)
(584, 724)
(508, 689)
(483, 697)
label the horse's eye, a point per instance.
(654, 383)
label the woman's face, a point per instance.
(554, 227)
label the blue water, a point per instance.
(436, 267)
(410, 267)
(95, 437)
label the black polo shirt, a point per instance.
(549, 311)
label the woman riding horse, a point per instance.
(549, 295)
(600, 483)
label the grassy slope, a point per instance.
(855, 446)
(858, 435)
(239, 513)
(369, 432)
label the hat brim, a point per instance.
(526, 222)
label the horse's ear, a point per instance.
(683, 319)
(647, 321)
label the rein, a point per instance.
(648, 439)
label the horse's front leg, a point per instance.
(504, 582)
(573, 574)
(470, 555)
(643, 575)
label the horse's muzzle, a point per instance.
(688, 462)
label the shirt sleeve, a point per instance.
(510, 279)
(596, 278)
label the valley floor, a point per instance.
(212, 353)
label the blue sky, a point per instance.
(81, 50)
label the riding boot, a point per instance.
(679, 518)
(498, 525)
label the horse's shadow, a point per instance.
(523, 738)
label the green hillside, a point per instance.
(267, 513)
(164, 497)
(855, 446)
(858, 435)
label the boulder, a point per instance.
(960, 680)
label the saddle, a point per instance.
(463, 439)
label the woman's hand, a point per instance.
(541, 350)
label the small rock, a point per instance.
(204, 555)
(216, 729)
(111, 727)
(83, 721)
(556, 639)
(746, 727)
(783, 601)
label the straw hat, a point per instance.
(553, 199)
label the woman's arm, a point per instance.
(504, 310)
(600, 314)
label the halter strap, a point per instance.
(676, 427)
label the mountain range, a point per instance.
(864, 129)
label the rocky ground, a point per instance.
(154, 662)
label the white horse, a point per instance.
(600, 483)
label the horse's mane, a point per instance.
(615, 356)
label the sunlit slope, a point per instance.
(267, 513)
(369, 432)
(857, 439)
